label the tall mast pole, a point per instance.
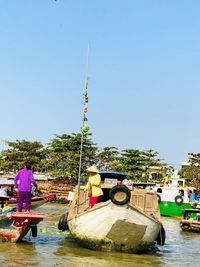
(84, 127)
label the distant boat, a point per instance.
(127, 219)
(173, 198)
(15, 225)
(36, 201)
(191, 220)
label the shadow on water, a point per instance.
(54, 248)
(68, 249)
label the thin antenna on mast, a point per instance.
(84, 127)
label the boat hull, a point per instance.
(191, 220)
(170, 208)
(173, 200)
(113, 227)
(190, 226)
(35, 201)
(15, 225)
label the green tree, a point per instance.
(137, 163)
(19, 152)
(192, 170)
(63, 155)
(106, 158)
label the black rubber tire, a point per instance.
(161, 237)
(120, 188)
(62, 224)
(34, 230)
(178, 200)
(159, 198)
(185, 226)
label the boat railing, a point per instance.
(78, 206)
(146, 200)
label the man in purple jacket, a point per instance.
(23, 181)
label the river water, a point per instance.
(53, 248)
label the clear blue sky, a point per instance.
(144, 72)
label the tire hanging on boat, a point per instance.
(34, 230)
(161, 237)
(178, 200)
(185, 226)
(62, 224)
(120, 194)
(159, 198)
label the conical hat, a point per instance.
(92, 169)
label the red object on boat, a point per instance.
(151, 193)
(19, 218)
(119, 182)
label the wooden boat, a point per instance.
(191, 220)
(36, 200)
(127, 219)
(15, 225)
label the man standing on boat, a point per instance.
(94, 185)
(23, 181)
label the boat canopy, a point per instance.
(144, 185)
(6, 182)
(120, 176)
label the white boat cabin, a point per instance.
(174, 189)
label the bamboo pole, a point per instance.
(85, 110)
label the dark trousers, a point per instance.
(24, 196)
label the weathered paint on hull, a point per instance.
(169, 208)
(13, 234)
(9, 232)
(105, 244)
(115, 228)
(14, 226)
(127, 236)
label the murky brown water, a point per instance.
(53, 248)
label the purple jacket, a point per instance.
(23, 180)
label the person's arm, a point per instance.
(88, 185)
(16, 180)
(33, 180)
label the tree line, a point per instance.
(192, 169)
(61, 156)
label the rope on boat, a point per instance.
(84, 127)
